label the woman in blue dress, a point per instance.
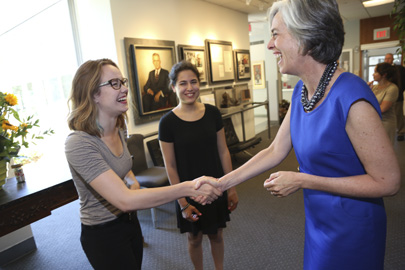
(346, 161)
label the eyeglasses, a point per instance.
(116, 83)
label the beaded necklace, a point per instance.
(320, 90)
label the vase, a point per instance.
(3, 172)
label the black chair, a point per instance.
(155, 152)
(234, 144)
(147, 177)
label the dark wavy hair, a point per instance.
(315, 24)
(389, 71)
(179, 67)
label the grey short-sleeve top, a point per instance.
(88, 157)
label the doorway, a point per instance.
(372, 57)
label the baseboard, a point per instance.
(17, 251)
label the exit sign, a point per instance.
(381, 33)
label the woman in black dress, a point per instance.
(193, 144)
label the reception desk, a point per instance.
(24, 203)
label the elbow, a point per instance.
(125, 204)
(124, 207)
(394, 187)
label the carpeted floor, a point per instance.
(264, 233)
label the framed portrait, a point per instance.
(219, 55)
(149, 63)
(346, 60)
(242, 64)
(259, 79)
(195, 55)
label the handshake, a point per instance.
(206, 189)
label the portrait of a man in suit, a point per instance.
(157, 94)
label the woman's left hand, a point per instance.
(232, 199)
(282, 184)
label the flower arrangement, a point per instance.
(12, 136)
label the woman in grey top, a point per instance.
(386, 92)
(101, 169)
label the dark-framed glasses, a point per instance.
(116, 83)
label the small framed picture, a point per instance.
(242, 64)
(259, 79)
(245, 95)
(220, 61)
(195, 55)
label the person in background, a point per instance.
(193, 144)
(346, 161)
(386, 92)
(100, 164)
(399, 104)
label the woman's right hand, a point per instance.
(191, 213)
(207, 191)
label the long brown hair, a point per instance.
(83, 109)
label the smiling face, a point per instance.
(187, 87)
(108, 100)
(284, 46)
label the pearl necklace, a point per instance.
(320, 90)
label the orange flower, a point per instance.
(11, 99)
(6, 125)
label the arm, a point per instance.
(147, 84)
(171, 168)
(390, 98)
(375, 152)
(226, 162)
(264, 160)
(114, 190)
(386, 105)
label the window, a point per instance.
(38, 59)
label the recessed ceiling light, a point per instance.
(373, 3)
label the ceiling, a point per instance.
(349, 9)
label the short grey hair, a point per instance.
(315, 24)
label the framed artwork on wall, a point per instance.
(195, 55)
(346, 60)
(219, 55)
(224, 97)
(242, 64)
(149, 63)
(259, 79)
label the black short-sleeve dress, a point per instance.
(196, 152)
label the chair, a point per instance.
(147, 177)
(232, 140)
(155, 152)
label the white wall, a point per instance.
(187, 22)
(352, 41)
(260, 32)
(103, 24)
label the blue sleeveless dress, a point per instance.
(340, 232)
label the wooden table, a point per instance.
(24, 203)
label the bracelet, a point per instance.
(185, 207)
